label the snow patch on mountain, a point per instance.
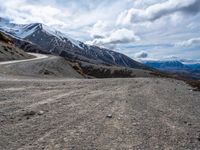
(20, 31)
(60, 35)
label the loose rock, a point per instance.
(30, 113)
(109, 116)
(41, 112)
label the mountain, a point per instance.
(176, 66)
(166, 65)
(55, 42)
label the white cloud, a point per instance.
(119, 36)
(158, 10)
(188, 43)
(98, 30)
(22, 12)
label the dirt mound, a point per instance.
(53, 66)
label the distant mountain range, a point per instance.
(51, 41)
(191, 70)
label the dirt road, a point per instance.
(80, 114)
(37, 57)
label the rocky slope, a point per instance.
(8, 51)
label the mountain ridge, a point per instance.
(176, 66)
(52, 41)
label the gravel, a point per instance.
(70, 114)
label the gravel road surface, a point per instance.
(82, 114)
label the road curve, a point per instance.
(37, 57)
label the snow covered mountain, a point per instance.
(166, 65)
(52, 41)
(176, 66)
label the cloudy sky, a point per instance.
(150, 29)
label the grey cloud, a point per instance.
(159, 10)
(193, 8)
(98, 36)
(190, 42)
(141, 54)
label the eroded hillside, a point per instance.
(8, 51)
